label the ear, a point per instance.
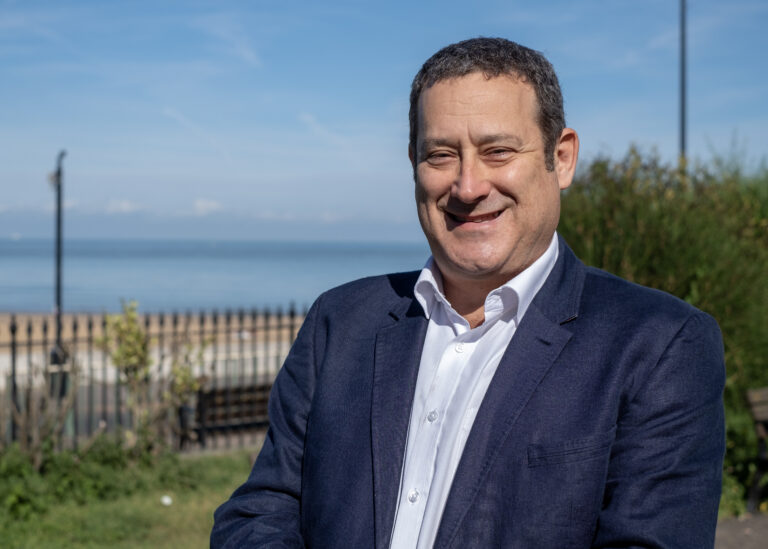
(566, 155)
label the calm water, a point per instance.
(188, 275)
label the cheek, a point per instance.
(423, 210)
(430, 193)
(420, 193)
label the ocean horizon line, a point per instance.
(190, 274)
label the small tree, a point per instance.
(127, 344)
(183, 384)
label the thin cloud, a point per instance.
(38, 24)
(123, 207)
(66, 205)
(204, 206)
(231, 36)
(270, 215)
(666, 40)
(26, 25)
(197, 131)
(311, 122)
(183, 121)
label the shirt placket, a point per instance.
(431, 430)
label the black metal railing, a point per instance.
(87, 395)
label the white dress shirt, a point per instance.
(457, 365)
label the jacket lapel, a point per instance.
(530, 354)
(396, 365)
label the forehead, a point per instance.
(497, 103)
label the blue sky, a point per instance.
(273, 119)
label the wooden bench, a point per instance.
(226, 410)
(758, 405)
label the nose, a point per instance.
(471, 184)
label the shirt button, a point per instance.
(413, 496)
(432, 416)
(460, 347)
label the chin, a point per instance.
(474, 268)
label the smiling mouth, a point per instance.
(459, 218)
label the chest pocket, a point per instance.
(574, 450)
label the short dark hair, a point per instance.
(494, 57)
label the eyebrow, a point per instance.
(436, 142)
(509, 138)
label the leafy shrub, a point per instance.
(732, 499)
(128, 345)
(104, 470)
(703, 237)
(23, 492)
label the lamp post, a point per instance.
(58, 354)
(682, 85)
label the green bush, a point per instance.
(703, 237)
(23, 492)
(104, 470)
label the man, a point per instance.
(506, 396)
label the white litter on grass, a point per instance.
(166, 500)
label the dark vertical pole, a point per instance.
(30, 372)
(241, 370)
(162, 379)
(241, 335)
(228, 373)
(75, 387)
(215, 349)
(267, 363)
(279, 322)
(14, 387)
(682, 83)
(118, 401)
(104, 379)
(291, 323)
(58, 356)
(46, 365)
(89, 345)
(201, 370)
(175, 345)
(254, 348)
(147, 375)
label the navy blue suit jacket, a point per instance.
(603, 425)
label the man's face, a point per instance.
(485, 199)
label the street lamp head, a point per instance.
(54, 178)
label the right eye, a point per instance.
(437, 158)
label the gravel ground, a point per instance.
(746, 532)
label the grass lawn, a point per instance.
(139, 520)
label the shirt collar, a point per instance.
(516, 293)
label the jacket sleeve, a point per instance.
(265, 510)
(664, 479)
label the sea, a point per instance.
(188, 275)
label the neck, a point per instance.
(467, 297)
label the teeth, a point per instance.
(477, 218)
